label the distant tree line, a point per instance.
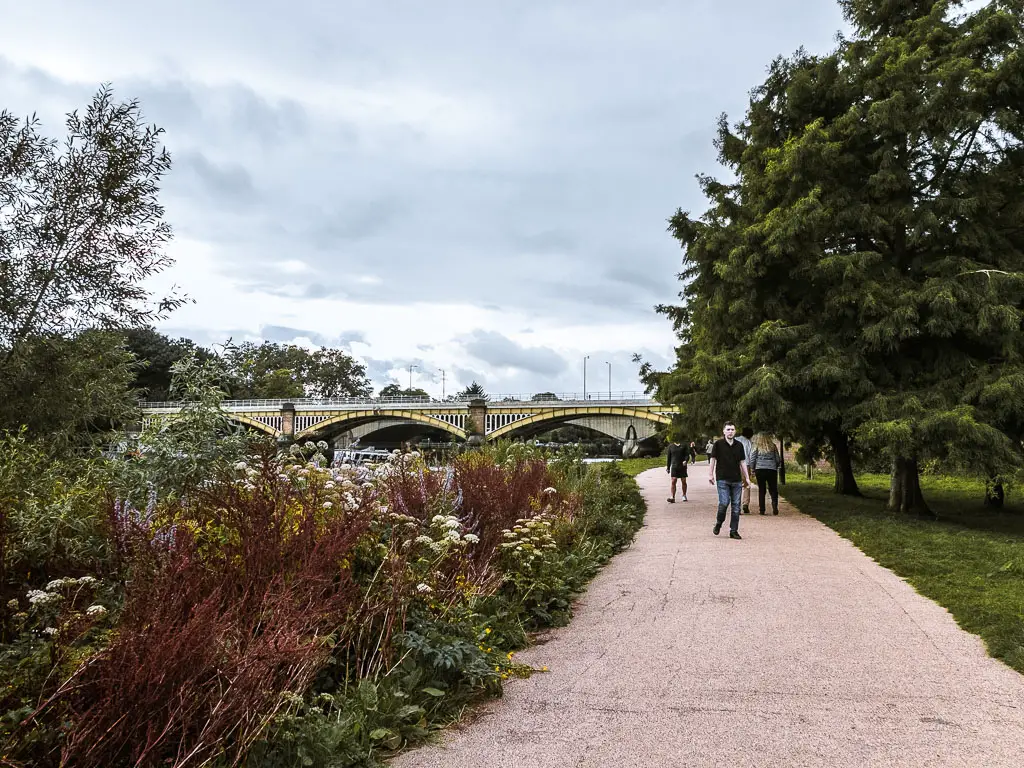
(251, 371)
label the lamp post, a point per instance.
(585, 358)
(609, 379)
(442, 382)
(410, 375)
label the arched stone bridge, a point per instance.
(342, 421)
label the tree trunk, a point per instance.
(846, 483)
(896, 481)
(995, 496)
(905, 489)
(782, 461)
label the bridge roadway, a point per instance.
(622, 415)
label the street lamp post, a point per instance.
(585, 358)
(410, 375)
(609, 379)
(442, 382)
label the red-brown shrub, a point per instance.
(495, 496)
(212, 638)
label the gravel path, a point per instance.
(789, 648)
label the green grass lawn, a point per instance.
(971, 561)
(634, 467)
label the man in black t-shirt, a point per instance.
(676, 468)
(729, 471)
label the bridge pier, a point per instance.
(288, 422)
(476, 424)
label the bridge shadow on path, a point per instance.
(788, 648)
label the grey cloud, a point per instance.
(204, 337)
(500, 351)
(348, 338)
(228, 182)
(515, 156)
(224, 113)
(379, 370)
(284, 334)
(311, 291)
(647, 281)
(356, 220)
(546, 241)
(466, 376)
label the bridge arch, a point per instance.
(355, 418)
(558, 415)
(254, 423)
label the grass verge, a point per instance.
(634, 467)
(970, 561)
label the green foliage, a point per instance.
(393, 390)
(81, 231)
(80, 223)
(430, 617)
(474, 391)
(450, 657)
(271, 371)
(44, 637)
(177, 454)
(155, 355)
(52, 513)
(863, 275)
(504, 452)
(70, 391)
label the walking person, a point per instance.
(676, 468)
(693, 452)
(707, 449)
(729, 472)
(744, 440)
(765, 462)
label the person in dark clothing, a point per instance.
(677, 468)
(729, 471)
(693, 452)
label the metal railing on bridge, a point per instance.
(304, 403)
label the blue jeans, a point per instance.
(729, 491)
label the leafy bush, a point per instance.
(280, 613)
(51, 514)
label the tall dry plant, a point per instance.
(232, 611)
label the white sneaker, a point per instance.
(684, 497)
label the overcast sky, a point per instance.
(481, 187)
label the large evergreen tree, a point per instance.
(862, 275)
(474, 391)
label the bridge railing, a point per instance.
(305, 403)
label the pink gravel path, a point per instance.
(789, 648)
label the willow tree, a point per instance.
(862, 274)
(82, 231)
